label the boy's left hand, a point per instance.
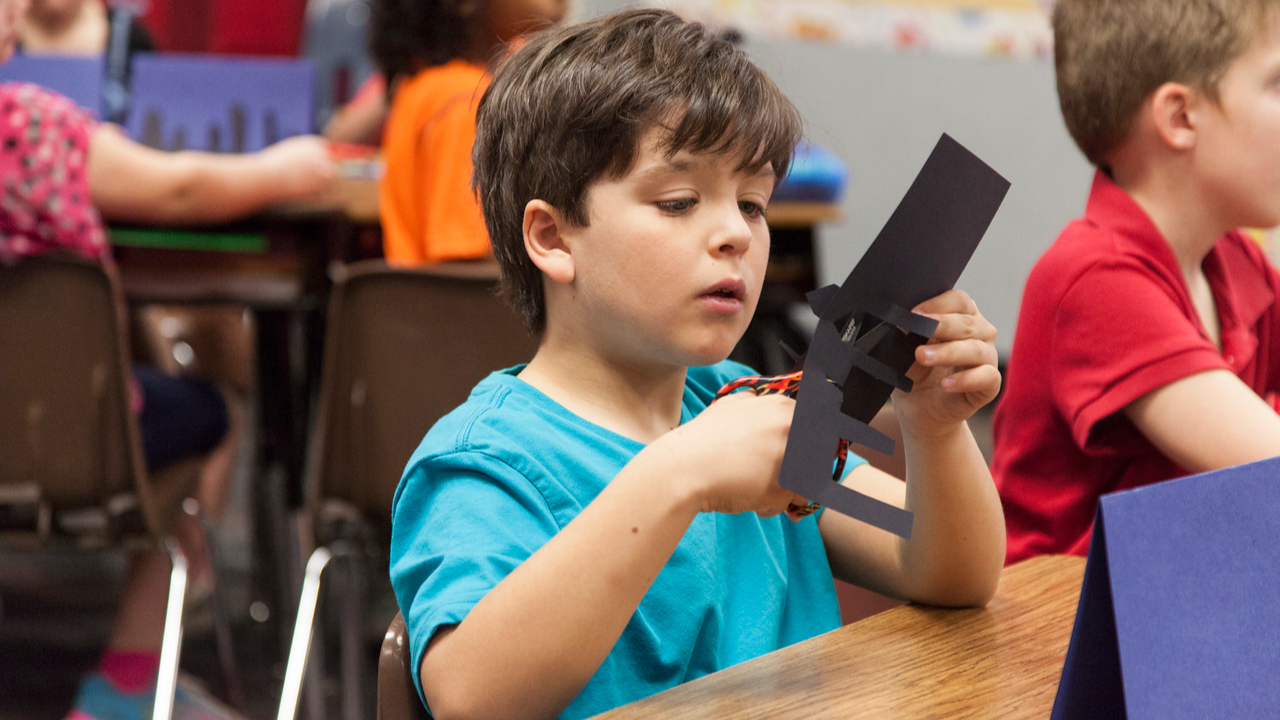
(955, 373)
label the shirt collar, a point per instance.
(1242, 296)
(1112, 208)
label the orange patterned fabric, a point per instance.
(428, 211)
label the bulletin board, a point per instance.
(1015, 29)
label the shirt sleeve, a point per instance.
(1119, 333)
(454, 224)
(460, 524)
(44, 150)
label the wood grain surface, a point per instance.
(1001, 661)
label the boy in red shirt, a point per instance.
(1147, 339)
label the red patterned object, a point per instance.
(787, 385)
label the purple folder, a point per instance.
(79, 78)
(1179, 615)
(218, 103)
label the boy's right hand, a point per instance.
(734, 450)
(302, 163)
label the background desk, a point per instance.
(1001, 661)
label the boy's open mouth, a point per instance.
(731, 289)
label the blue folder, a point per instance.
(815, 175)
(218, 104)
(1179, 615)
(79, 78)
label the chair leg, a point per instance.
(221, 618)
(171, 646)
(312, 704)
(302, 631)
(353, 607)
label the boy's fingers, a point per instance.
(960, 353)
(983, 380)
(958, 326)
(951, 301)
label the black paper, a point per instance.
(867, 335)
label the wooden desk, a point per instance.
(1002, 661)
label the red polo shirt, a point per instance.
(1106, 318)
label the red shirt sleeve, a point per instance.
(1120, 332)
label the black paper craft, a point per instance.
(867, 335)
(1179, 615)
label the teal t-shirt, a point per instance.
(496, 478)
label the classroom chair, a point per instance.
(403, 347)
(71, 461)
(397, 697)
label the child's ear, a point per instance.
(545, 242)
(1173, 110)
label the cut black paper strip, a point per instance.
(866, 338)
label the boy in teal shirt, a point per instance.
(587, 530)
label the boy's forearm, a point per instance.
(957, 546)
(528, 648)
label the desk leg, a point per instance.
(285, 370)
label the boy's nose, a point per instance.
(733, 232)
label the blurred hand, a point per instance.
(734, 448)
(302, 163)
(955, 373)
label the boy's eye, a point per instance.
(750, 209)
(677, 206)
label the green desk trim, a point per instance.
(176, 240)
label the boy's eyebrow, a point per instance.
(680, 165)
(684, 165)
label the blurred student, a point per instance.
(1148, 342)
(434, 54)
(63, 173)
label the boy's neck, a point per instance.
(53, 31)
(636, 401)
(1181, 211)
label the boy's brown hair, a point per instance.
(570, 107)
(1111, 55)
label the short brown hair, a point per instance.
(1110, 55)
(570, 107)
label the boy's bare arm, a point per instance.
(957, 545)
(1207, 421)
(134, 183)
(528, 648)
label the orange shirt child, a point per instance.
(429, 212)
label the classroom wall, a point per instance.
(882, 111)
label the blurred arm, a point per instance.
(131, 182)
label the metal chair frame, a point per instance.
(63, 311)
(448, 322)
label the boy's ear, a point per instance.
(545, 242)
(1173, 111)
